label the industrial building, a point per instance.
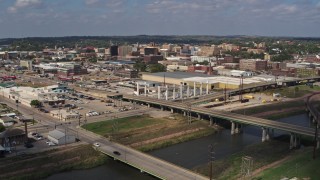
(25, 95)
(59, 137)
(201, 81)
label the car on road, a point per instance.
(39, 137)
(51, 144)
(28, 145)
(96, 144)
(117, 153)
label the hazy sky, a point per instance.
(25, 18)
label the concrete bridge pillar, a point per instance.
(318, 144)
(207, 90)
(199, 116)
(264, 134)
(145, 89)
(148, 105)
(171, 110)
(211, 120)
(201, 89)
(292, 141)
(138, 92)
(232, 128)
(188, 90)
(167, 93)
(159, 92)
(181, 93)
(162, 108)
(194, 89)
(267, 134)
(237, 128)
(314, 120)
(174, 92)
(184, 113)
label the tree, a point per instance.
(156, 68)
(2, 128)
(140, 66)
(35, 103)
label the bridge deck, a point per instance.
(228, 116)
(146, 163)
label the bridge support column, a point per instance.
(167, 92)
(267, 134)
(194, 89)
(184, 113)
(207, 90)
(174, 92)
(148, 105)
(232, 128)
(211, 120)
(181, 93)
(138, 89)
(318, 144)
(238, 128)
(314, 120)
(171, 110)
(159, 92)
(199, 116)
(293, 141)
(264, 134)
(188, 90)
(201, 89)
(162, 108)
(145, 89)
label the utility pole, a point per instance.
(211, 158)
(315, 138)
(246, 166)
(79, 119)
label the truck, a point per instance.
(248, 97)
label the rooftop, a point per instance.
(179, 75)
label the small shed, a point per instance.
(59, 137)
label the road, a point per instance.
(157, 167)
(227, 115)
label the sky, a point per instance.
(52, 18)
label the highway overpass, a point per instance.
(236, 119)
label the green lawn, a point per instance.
(293, 91)
(300, 166)
(271, 107)
(121, 125)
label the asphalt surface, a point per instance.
(142, 161)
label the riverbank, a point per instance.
(274, 153)
(275, 111)
(44, 164)
(147, 133)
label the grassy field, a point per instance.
(41, 165)
(146, 133)
(301, 165)
(293, 91)
(272, 107)
(262, 154)
(106, 128)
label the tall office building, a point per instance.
(114, 50)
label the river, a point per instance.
(187, 154)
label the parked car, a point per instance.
(117, 153)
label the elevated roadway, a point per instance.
(256, 87)
(144, 162)
(265, 123)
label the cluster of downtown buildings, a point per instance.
(69, 61)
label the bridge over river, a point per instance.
(236, 120)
